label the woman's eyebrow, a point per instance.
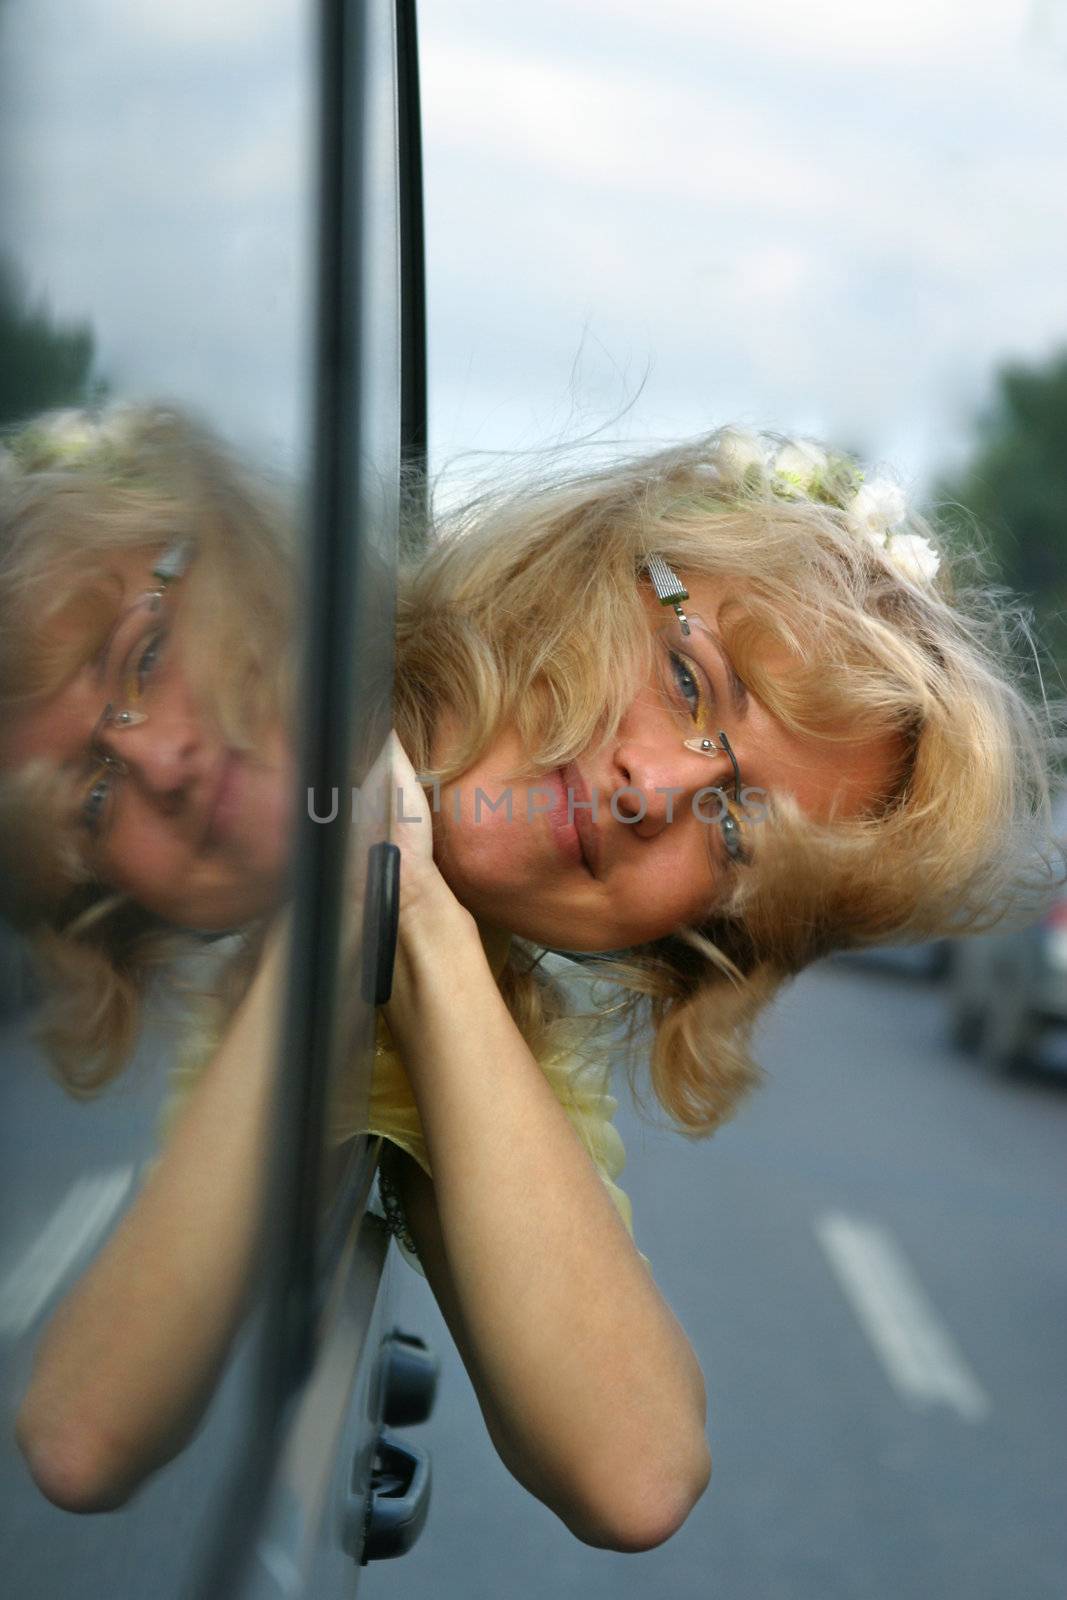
(738, 691)
(100, 659)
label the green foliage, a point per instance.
(42, 364)
(1015, 485)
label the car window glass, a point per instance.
(159, 245)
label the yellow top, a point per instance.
(580, 1088)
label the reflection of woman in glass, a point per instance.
(716, 710)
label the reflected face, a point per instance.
(161, 808)
(653, 855)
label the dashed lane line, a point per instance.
(70, 1232)
(892, 1308)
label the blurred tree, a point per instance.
(42, 364)
(1015, 484)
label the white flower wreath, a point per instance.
(68, 439)
(802, 470)
(878, 511)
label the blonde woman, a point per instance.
(716, 710)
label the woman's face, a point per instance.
(192, 829)
(652, 856)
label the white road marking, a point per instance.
(71, 1231)
(280, 1567)
(894, 1312)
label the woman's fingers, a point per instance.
(393, 790)
(391, 806)
(411, 826)
(411, 829)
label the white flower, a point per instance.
(799, 466)
(738, 452)
(71, 435)
(877, 508)
(71, 439)
(913, 556)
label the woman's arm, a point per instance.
(591, 1393)
(129, 1362)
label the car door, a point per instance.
(220, 207)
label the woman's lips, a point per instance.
(584, 816)
(225, 808)
(569, 833)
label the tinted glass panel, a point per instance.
(158, 243)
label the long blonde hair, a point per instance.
(526, 611)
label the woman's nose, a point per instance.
(659, 782)
(161, 749)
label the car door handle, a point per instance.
(381, 920)
(398, 1501)
(409, 1380)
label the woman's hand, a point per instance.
(422, 887)
(410, 820)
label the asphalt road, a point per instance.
(870, 1262)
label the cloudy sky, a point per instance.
(824, 218)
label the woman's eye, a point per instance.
(687, 683)
(732, 837)
(151, 658)
(94, 806)
(147, 663)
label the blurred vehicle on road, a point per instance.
(1007, 990)
(928, 960)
